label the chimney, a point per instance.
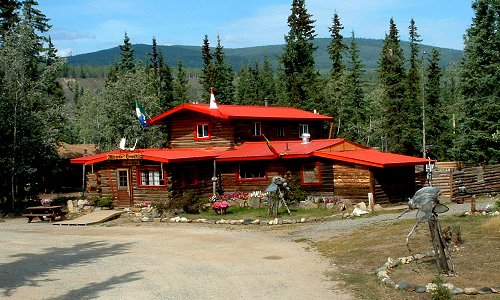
(213, 104)
(306, 138)
(266, 101)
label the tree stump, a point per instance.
(439, 246)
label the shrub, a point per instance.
(191, 201)
(441, 292)
(104, 202)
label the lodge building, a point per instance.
(246, 146)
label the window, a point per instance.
(252, 170)
(256, 129)
(303, 128)
(189, 176)
(150, 178)
(280, 131)
(311, 173)
(202, 132)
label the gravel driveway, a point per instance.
(172, 260)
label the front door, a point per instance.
(124, 191)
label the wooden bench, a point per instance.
(42, 212)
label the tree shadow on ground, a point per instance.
(91, 290)
(32, 269)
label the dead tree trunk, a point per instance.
(439, 246)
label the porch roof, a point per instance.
(159, 155)
(373, 158)
(243, 112)
(282, 149)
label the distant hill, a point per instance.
(191, 55)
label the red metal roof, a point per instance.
(243, 112)
(159, 155)
(285, 149)
(373, 158)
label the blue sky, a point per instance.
(83, 26)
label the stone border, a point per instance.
(383, 275)
(275, 221)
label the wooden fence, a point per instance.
(453, 178)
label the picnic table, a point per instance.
(42, 212)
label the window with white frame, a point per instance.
(202, 131)
(151, 178)
(256, 129)
(303, 128)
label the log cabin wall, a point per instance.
(352, 182)
(182, 131)
(273, 130)
(290, 169)
(394, 185)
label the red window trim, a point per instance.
(138, 178)
(319, 174)
(196, 138)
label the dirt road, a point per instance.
(176, 261)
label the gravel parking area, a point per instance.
(175, 261)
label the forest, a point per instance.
(408, 98)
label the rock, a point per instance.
(389, 281)
(175, 219)
(406, 260)
(361, 205)
(302, 220)
(83, 202)
(256, 222)
(147, 219)
(263, 222)
(183, 219)
(71, 207)
(457, 291)
(358, 212)
(470, 291)
(420, 289)
(485, 290)
(287, 221)
(431, 287)
(405, 286)
(346, 215)
(307, 205)
(330, 206)
(247, 222)
(378, 207)
(496, 213)
(495, 290)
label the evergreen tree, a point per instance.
(336, 48)
(479, 125)
(28, 135)
(335, 105)
(246, 89)
(414, 88)
(300, 77)
(126, 62)
(181, 84)
(165, 82)
(392, 75)
(9, 15)
(437, 128)
(223, 81)
(355, 103)
(266, 81)
(207, 78)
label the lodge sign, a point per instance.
(121, 156)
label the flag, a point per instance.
(141, 115)
(271, 147)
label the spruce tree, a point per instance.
(9, 15)
(266, 82)
(245, 93)
(478, 127)
(392, 75)
(437, 122)
(355, 102)
(207, 78)
(223, 81)
(126, 62)
(300, 77)
(181, 84)
(165, 84)
(414, 100)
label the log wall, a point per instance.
(476, 180)
(352, 182)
